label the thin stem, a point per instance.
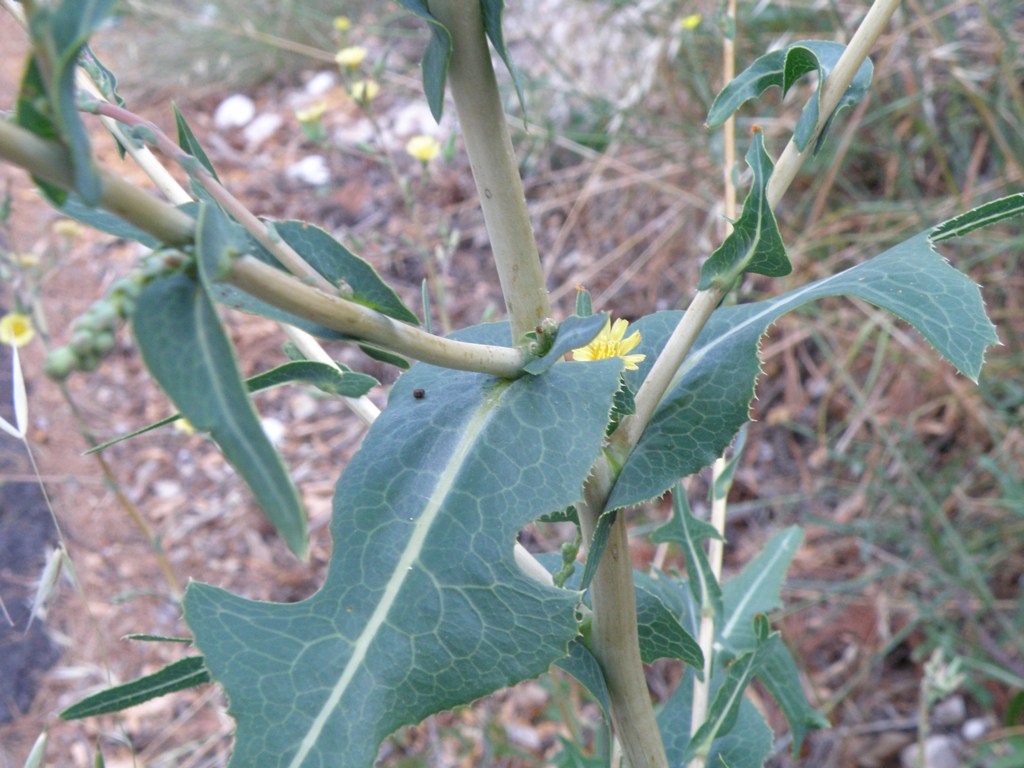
(169, 225)
(293, 295)
(495, 170)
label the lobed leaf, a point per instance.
(781, 69)
(754, 245)
(779, 674)
(711, 393)
(186, 673)
(423, 595)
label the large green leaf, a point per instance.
(781, 69)
(754, 245)
(188, 353)
(711, 393)
(186, 673)
(423, 607)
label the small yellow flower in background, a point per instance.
(611, 342)
(184, 425)
(423, 148)
(364, 91)
(67, 228)
(311, 114)
(351, 57)
(16, 329)
(24, 260)
(690, 22)
(342, 23)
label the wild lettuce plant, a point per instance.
(429, 603)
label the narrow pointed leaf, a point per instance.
(690, 533)
(982, 216)
(423, 593)
(781, 69)
(754, 245)
(185, 348)
(37, 755)
(710, 396)
(187, 141)
(492, 12)
(747, 745)
(723, 714)
(331, 379)
(186, 673)
(755, 591)
(436, 58)
(779, 674)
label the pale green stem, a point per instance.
(616, 600)
(166, 223)
(293, 295)
(495, 170)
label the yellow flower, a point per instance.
(690, 22)
(423, 148)
(67, 228)
(16, 329)
(611, 342)
(364, 91)
(342, 23)
(311, 114)
(351, 57)
(25, 260)
(184, 425)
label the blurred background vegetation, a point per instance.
(909, 477)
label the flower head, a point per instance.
(16, 329)
(311, 114)
(351, 57)
(690, 22)
(342, 23)
(67, 228)
(423, 148)
(611, 342)
(364, 91)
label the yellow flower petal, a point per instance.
(311, 114)
(364, 91)
(612, 342)
(351, 57)
(342, 23)
(423, 148)
(16, 329)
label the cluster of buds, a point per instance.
(92, 333)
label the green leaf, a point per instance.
(755, 591)
(58, 35)
(334, 380)
(187, 673)
(33, 113)
(187, 141)
(754, 245)
(101, 76)
(747, 745)
(492, 11)
(584, 666)
(784, 67)
(690, 533)
(982, 216)
(158, 639)
(436, 58)
(584, 304)
(185, 348)
(661, 632)
(97, 218)
(723, 714)
(781, 677)
(423, 594)
(573, 333)
(710, 395)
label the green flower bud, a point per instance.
(60, 362)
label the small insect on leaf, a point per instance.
(419, 394)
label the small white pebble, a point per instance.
(320, 84)
(975, 728)
(274, 429)
(261, 129)
(234, 112)
(311, 170)
(167, 489)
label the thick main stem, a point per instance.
(495, 170)
(614, 638)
